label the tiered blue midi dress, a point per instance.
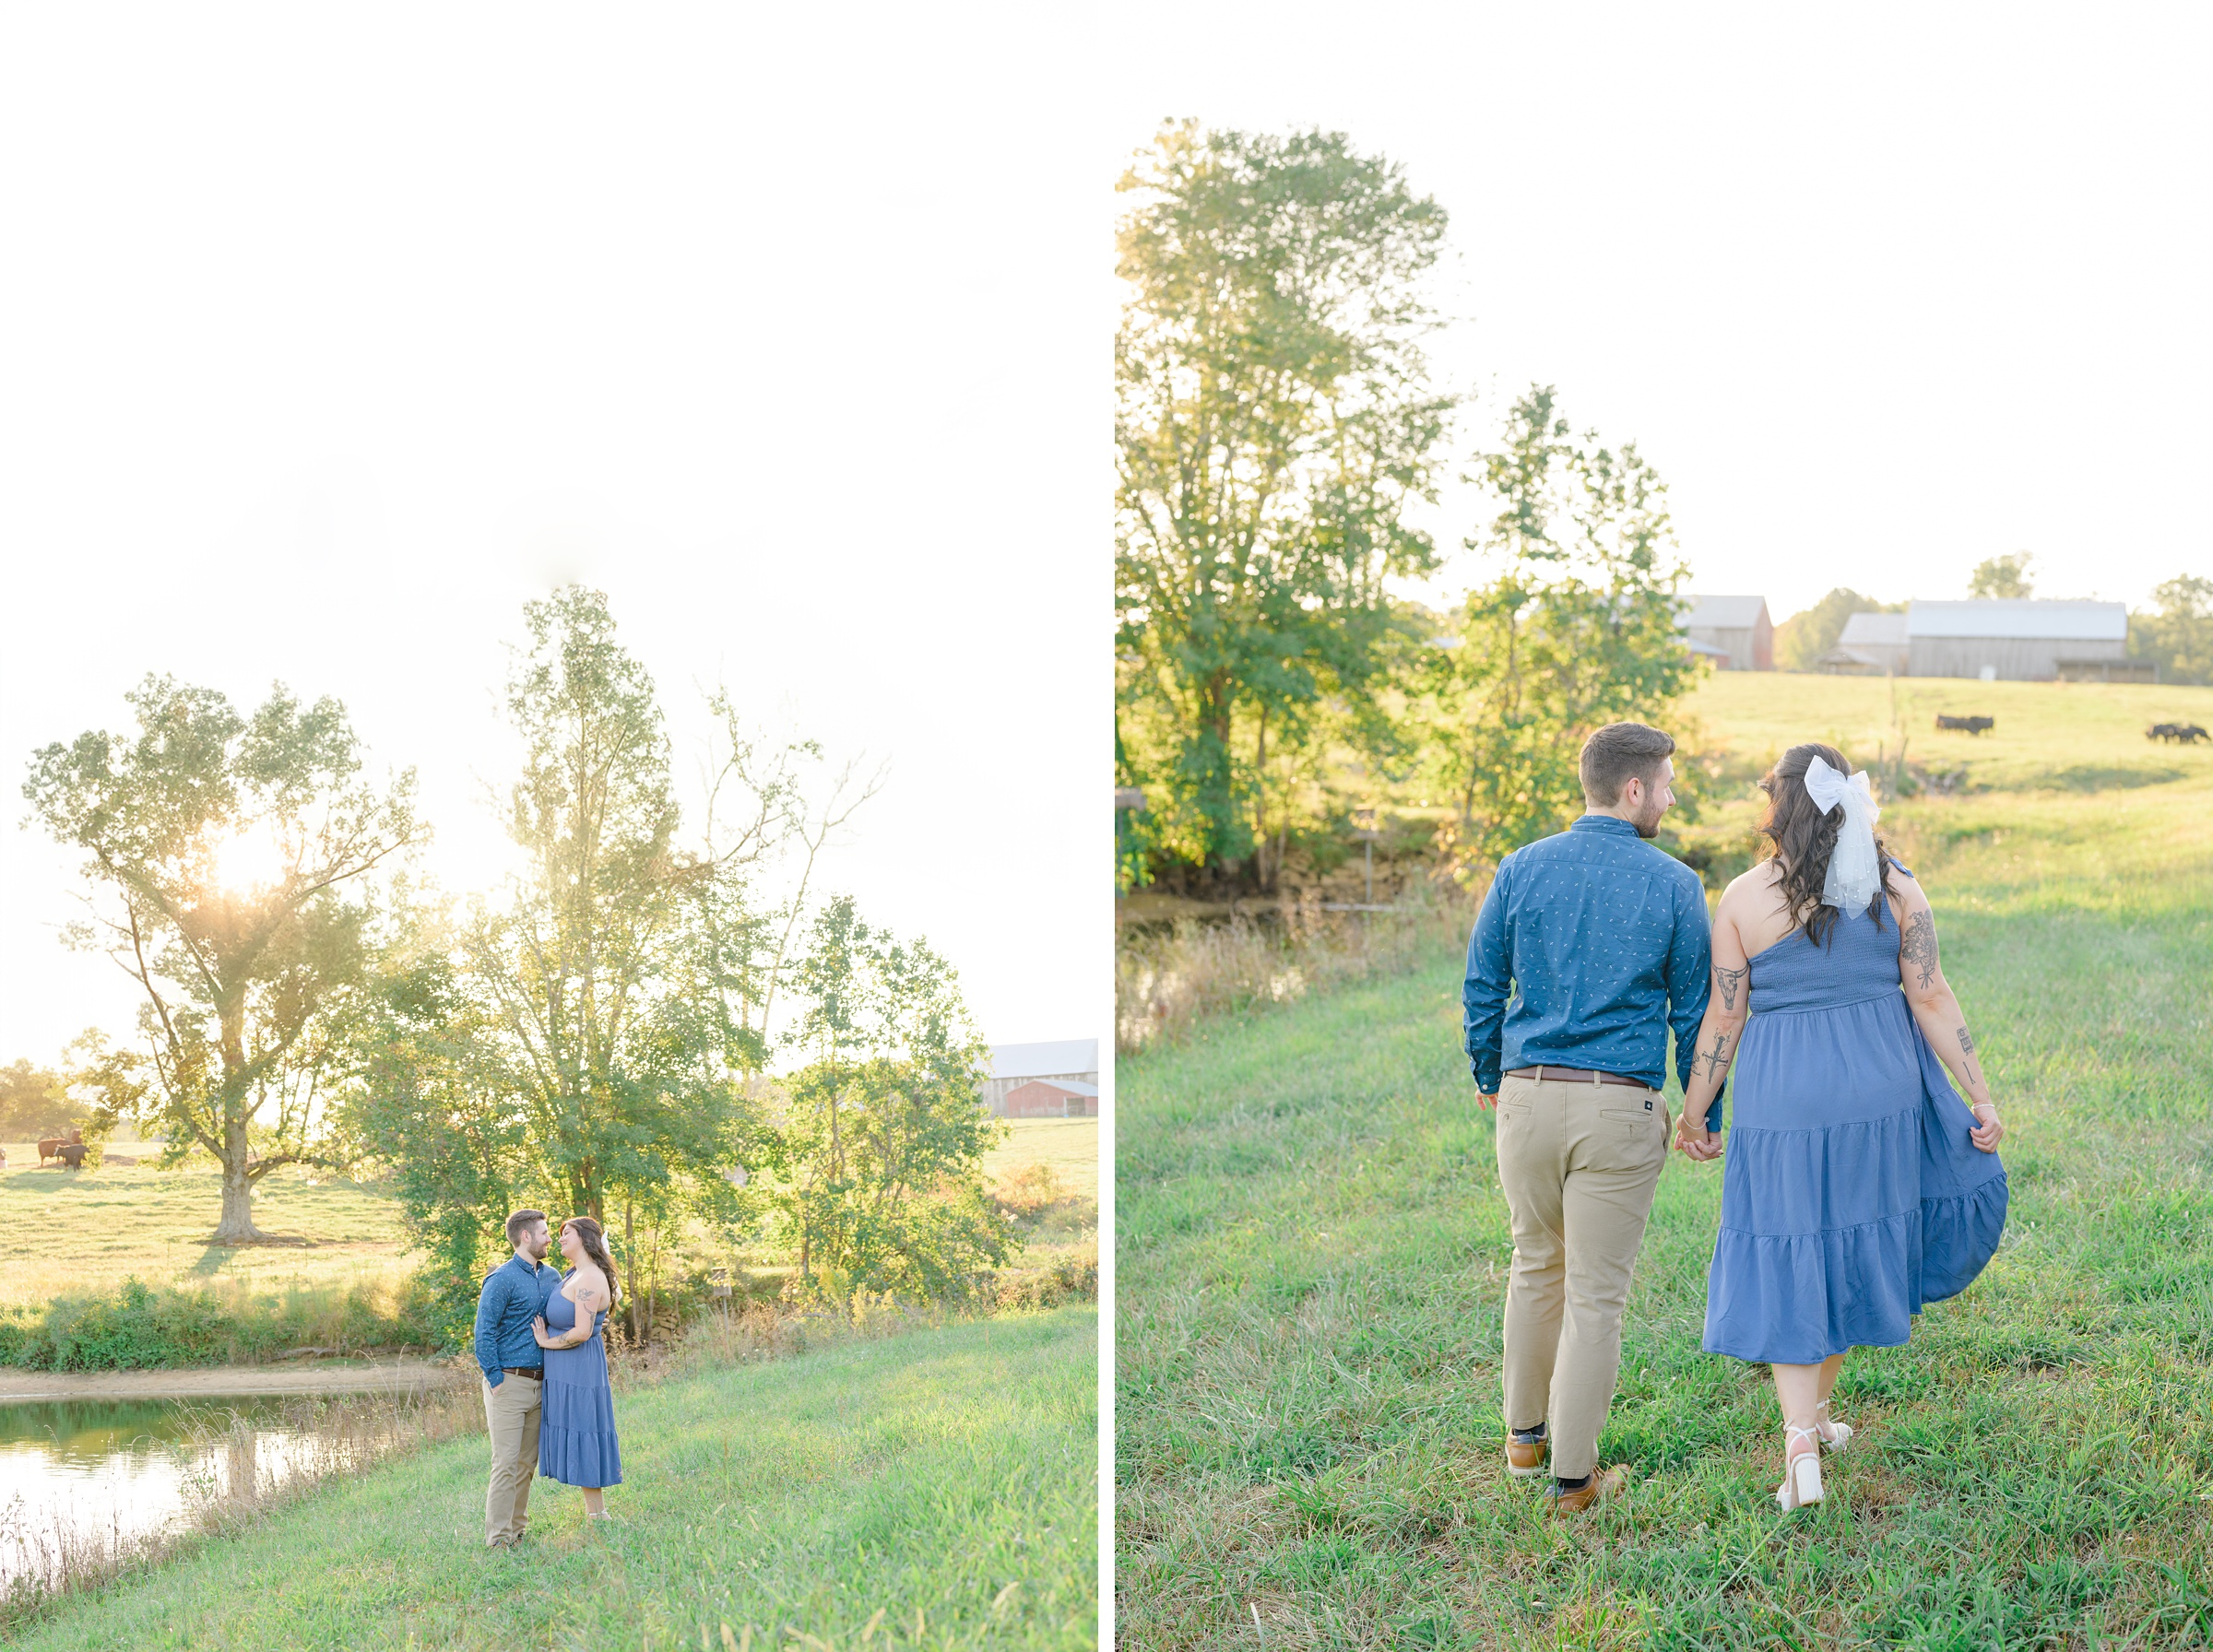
(577, 1421)
(1851, 1192)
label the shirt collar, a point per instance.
(1609, 823)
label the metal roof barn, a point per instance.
(1072, 1060)
(2019, 640)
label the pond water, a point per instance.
(81, 1480)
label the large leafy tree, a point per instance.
(415, 1109)
(2005, 576)
(1577, 625)
(879, 1149)
(2177, 631)
(1275, 428)
(225, 858)
(35, 1102)
(1804, 637)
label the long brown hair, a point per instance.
(594, 1238)
(1802, 836)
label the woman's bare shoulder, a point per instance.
(581, 1280)
(1757, 884)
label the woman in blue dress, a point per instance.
(1859, 1186)
(577, 1442)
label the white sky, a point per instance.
(1881, 290)
(331, 338)
(333, 335)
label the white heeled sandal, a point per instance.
(1835, 1435)
(1801, 1474)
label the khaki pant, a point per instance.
(1577, 1163)
(511, 1414)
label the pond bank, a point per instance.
(336, 1376)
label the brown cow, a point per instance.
(49, 1149)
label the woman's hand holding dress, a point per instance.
(1988, 1129)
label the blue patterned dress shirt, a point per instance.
(515, 1294)
(1590, 946)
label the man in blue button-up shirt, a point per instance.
(1590, 945)
(515, 1294)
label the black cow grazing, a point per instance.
(1967, 724)
(73, 1154)
(2188, 733)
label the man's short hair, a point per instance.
(1619, 753)
(521, 1222)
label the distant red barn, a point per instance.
(1053, 1098)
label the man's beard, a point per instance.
(544, 1242)
(1648, 821)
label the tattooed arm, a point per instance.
(1934, 1006)
(1728, 1005)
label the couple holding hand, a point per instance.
(548, 1405)
(1859, 1186)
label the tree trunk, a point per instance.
(237, 1225)
(630, 1269)
(1260, 810)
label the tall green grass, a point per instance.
(1312, 1255)
(937, 1489)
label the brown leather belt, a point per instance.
(537, 1371)
(1574, 1075)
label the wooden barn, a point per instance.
(1734, 631)
(1053, 1098)
(1073, 1063)
(2027, 639)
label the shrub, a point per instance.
(139, 1327)
(1029, 1192)
(1073, 1278)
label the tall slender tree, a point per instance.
(625, 1081)
(1275, 427)
(881, 1145)
(225, 860)
(588, 1038)
(1577, 626)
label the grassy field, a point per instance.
(936, 1489)
(1313, 1253)
(80, 1235)
(89, 1230)
(1068, 1147)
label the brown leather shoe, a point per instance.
(1525, 1458)
(1605, 1485)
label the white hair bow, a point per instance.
(1853, 875)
